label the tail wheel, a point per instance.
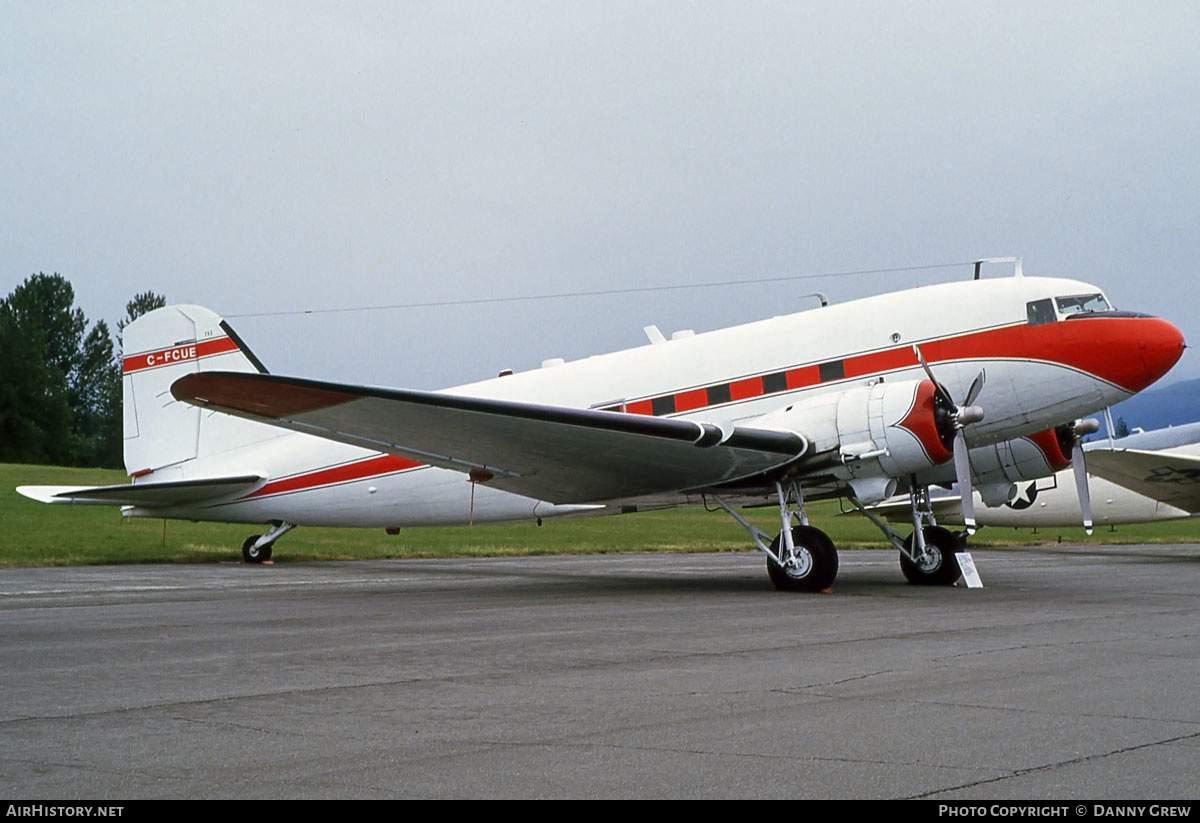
(816, 562)
(940, 566)
(250, 554)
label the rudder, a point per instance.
(161, 347)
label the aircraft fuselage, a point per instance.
(1042, 370)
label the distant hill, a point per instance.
(1157, 408)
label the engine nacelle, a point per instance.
(870, 435)
(998, 467)
(1024, 458)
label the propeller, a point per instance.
(1074, 434)
(959, 417)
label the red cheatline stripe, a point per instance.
(1073, 344)
(372, 467)
(178, 354)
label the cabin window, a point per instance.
(1040, 312)
(774, 382)
(719, 394)
(1081, 303)
(662, 405)
(833, 370)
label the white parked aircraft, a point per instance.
(857, 400)
(1141, 478)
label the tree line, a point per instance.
(60, 395)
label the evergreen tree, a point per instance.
(35, 417)
(60, 394)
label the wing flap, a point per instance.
(148, 495)
(1163, 476)
(553, 453)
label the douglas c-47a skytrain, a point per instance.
(981, 381)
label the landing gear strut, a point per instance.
(927, 556)
(801, 558)
(257, 548)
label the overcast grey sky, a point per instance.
(267, 157)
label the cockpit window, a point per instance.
(1040, 311)
(1077, 303)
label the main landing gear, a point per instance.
(801, 558)
(257, 548)
(813, 565)
(927, 556)
(937, 565)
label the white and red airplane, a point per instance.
(853, 400)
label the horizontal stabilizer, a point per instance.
(148, 495)
(552, 453)
(1163, 476)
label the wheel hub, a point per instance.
(799, 564)
(930, 560)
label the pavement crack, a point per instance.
(226, 724)
(984, 706)
(829, 684)
(789, 757)
(1057, 765)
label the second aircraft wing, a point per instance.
(1163, 476)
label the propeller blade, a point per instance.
(941, 390)
(962, 471)
(964, 415)
(1081, 485)
(921, 360)
(976, 387)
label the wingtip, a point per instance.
(44, 494)
(257, 395)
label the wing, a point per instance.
(150, 495)
(553, 453)
(1169, 478)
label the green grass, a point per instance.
(35, 534)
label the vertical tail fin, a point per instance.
(159, 348)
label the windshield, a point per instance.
(1077, 303)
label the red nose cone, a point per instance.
(1127, 350)
(1160, 346)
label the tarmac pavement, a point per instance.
(1072, 675)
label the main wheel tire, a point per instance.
(941, 567)
(818, 562)
(252, 555)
